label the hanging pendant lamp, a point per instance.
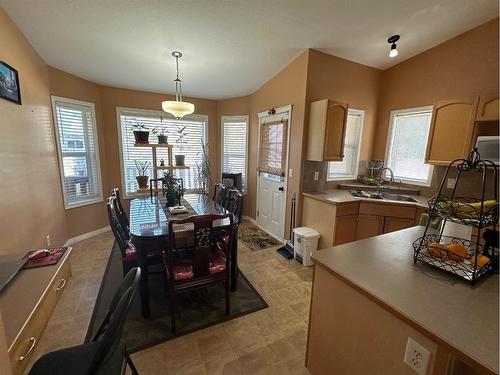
(177, 108)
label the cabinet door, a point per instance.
(369, 226)
(345, 229)
(336, 120)
(488, 108)
(451, 130)
(393, 224)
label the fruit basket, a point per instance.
(465, 210)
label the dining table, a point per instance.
(149, 218)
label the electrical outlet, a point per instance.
(48, 240)
(417, 357)
(316, 176)
(450, 183)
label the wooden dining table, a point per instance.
(149, 217)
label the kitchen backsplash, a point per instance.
(469, 186)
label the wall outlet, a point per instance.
(316, 176)
(450, 183)
(48, 240)
(417, 357)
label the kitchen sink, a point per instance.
(388, 196)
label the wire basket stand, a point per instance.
(462, 210)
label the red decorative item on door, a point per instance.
(271, 111)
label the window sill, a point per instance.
(341, 178)
(84, 203)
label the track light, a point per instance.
(392, 41)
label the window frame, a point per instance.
(91, 107)
(148, 112)
(224, 119)
(354, 111)
(390, 137)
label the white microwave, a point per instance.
(487, 146)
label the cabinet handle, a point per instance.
(61, 286)
(30, 350)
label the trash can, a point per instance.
(304, 244)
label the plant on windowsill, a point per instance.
(142, 179)
(141, 133)
(181, 134)
(172, 189)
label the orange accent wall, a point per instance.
(463, 66)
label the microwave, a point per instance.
(487, 146)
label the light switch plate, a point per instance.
(290, 173)
(450, 183)
(316, 176)
(417, 357)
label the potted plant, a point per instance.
(142, 179)
(141, 133)
(172, 189)
(162, 136)
(181, 134)
(204, 180)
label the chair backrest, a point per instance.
(122, 216)
(234, 204)
(121, 234)
(109, 338)
(220, 193)
(200, 237)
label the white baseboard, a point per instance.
(84, 236)
(250, 219)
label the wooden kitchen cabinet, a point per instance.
(488, 108)
(369, 226)
(451, 130)
(327, 124)
(345, 229)
(392, 224)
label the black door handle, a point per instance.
(281, 188)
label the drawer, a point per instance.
(29, 336)
(393, 210)
(344, 209)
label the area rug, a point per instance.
(196, 310)
(255, 238)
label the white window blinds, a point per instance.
(78, 151)
(234, 146)
(196, 134)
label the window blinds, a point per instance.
(78, 152)
(192, 149)
(234, 146)
(272, 147)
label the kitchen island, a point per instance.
(368, 297)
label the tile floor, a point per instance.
(270, 341)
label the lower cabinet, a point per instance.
(369, 226)
(393, 224)
(345, 229)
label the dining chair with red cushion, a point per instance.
(220, 194)
(198, 256)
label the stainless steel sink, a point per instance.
(398, 197)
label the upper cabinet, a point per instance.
(488, 108)
(451, 130)
(327, 124)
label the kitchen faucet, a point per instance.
(380, 176)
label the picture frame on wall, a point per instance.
(9, 83)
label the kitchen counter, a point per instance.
(445, 309)
(336, 196)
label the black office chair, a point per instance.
(106, 353)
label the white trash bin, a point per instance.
(304, 244)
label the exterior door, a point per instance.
(271, 205)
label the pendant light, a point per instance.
(392, 41)
(177, 108)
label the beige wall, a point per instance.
(463, 66)
(32, 204)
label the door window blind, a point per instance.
(78, 151)
(192, 148)
(272, 147)
(234, 146)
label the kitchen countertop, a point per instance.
(441, 305)
(336, 196)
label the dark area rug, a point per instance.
(196, 310)
(255, 238)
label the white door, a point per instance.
(271, 188)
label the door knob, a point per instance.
(281, 188)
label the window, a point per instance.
(348, 168)
(196, 134)
(78, 151)
(407, 143)
(272, 154)
(234, 146)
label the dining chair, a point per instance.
(199, 256)
(234, 204)
(106, 354)
(219, 194)
(122, 216)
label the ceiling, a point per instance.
(230, 47)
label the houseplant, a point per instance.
(141, 133)
(142, 179)
(162, 136)
(204, 180)
(172, 189)
(181, 134)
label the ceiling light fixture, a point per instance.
(392, 40)
(178, 108)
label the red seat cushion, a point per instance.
(183, 268)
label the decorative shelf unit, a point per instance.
(466, 211)
(169, 166)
